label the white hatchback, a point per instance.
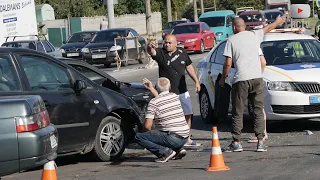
(292, 77)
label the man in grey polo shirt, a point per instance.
(242, 49)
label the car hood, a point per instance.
(74, 45)
(103, 44)
(293, 72)
(183, 37)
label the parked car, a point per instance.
(102, 50)
(89, 117)
(170, 25)
(254, 19)
(195, 36)
(39, 45)
(243, 9)
(72, 47)
(271, 16)
(135, 91)
(220, 22)
(28, 139)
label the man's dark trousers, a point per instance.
(253, 91)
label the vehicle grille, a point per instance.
(73, 50)
(296, 109)
(308, 87)
(99, 50)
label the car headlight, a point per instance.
(115, 48)
(62, 51)
(85, 50)
(191, 40)
(281, 86)
(219, 33)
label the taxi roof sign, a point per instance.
(288, 30)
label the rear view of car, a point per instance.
(271, 16)
(254, 19)
(27, 138)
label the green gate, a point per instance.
(56, 36)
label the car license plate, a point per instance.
(314, 99)
(53, 141)
(72, 54)
(97, 56)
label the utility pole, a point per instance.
(195, 11)
(169, 13)
(214, 2)
(110, 10)
(148, 17)
(201, 5)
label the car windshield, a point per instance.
(279, 6)
(186, 29)
(214, 21)
(108, 36)
(172, 24)
(28, 45)
(291, 51)
(81, 37)
(252, 17)
(273, 15)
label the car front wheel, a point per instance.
(206, 110)
(110, 141)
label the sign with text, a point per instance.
(18, 18)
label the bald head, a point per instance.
(238, 25)
(170, 43)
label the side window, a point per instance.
(46, 46)
(220, 58)
(134, 32)
(206, 26)
(213, 56)
(203, 27)
(51, 46)
(229, 20)
(8, 77)
(40, 47)
(45, 75)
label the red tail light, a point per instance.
(33, 122)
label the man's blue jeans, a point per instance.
(159, 143)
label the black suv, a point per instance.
(102, 49)
(89, 117)
(72, 47)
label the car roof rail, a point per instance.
(14, 37)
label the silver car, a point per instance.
(27, 137)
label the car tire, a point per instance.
(108, 65)
(206, 111)
(202, 48)
(143, 57)
(98, 152)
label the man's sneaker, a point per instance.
(180, 154)
(166, 158)
(233, 147)
(261, 147)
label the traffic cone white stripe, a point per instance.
(49, 166)
(216, 151)
(215, 136)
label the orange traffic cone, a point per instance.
(216, 158)
(49, 171)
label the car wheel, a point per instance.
(107, 65)
(110, 141)
(202, 48)
(206, 110)
(143, 57)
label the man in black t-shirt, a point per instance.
(173, 62)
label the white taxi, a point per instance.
(292, 77)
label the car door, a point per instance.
(70, 112)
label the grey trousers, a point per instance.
(253, 91)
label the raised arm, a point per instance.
(270, 27)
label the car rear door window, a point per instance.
(220, 58)
(8, 76)
(45, 75)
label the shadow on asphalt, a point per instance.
(272, 126)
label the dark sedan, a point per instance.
(135, 91)
(72, 47)
(102, 48)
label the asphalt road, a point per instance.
(291, 153)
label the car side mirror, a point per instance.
(79, 85)
(117, 83)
